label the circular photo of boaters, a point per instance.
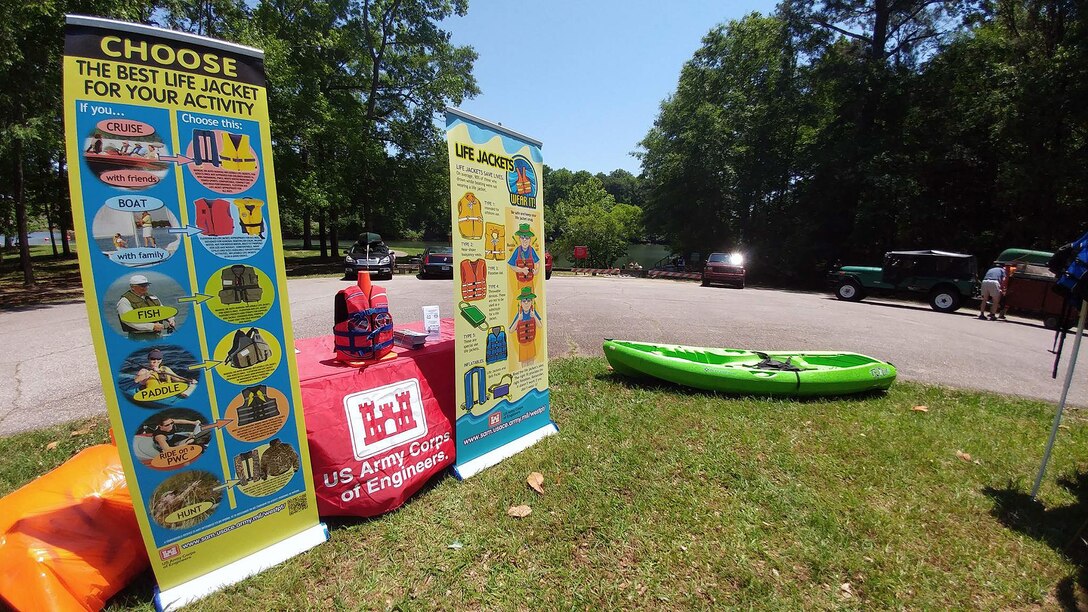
(239, 294)
(185, 500)
(223, 161)
(126, 153)
(137, 239)
(247, 356)
(266, 469)
(172, 438)
(159, 376)
(145, 306)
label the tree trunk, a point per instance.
(307, 232)
(65, 211)
(321, 235)
(334, 238)
(49, 225)
(20, 215)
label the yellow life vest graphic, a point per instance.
(470, 217)
(250, 216)
(495, 241)
(235, 153)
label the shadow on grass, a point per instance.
(1063, 528)
(652, 384)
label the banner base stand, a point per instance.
(202, 586)
(486, 460)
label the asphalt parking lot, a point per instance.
(51, 376)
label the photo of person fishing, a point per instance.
(158, 378)
(146, 306)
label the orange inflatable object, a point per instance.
(69, 540)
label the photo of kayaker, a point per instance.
(156, 372)
(158, 377)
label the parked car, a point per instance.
(436, 261)
(369, 254)
(547, 265)
(946, 279)
(726, 268)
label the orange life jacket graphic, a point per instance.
(495, 242)
(524, 261)
(473, 280)
(523, 184)
(213, 216)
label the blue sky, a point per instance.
(585, 78)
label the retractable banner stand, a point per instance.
(498, 275)
(174, 201)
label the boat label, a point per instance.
(501, 358)
(177, 224)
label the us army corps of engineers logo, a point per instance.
(385, 417)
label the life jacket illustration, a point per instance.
(494, 242)
(256, 405)
(362, 326)
(526, 329)
(248, 349)
(501, 388)
(250, 216)
(475, 394)
(235, 153)
(496, 346)
(470, 217)
(139, 302)
(240, 284)
(524, 261)
(213, 217)
(523, 184)
(205, 148)
(473, 280)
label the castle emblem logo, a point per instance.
(384, 417)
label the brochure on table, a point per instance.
(501, 357)
(174, 200)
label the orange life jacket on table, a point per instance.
(363, 327)
(473, 280)
(526, 328)
(470, 217)
(523, 261)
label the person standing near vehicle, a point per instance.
(991, 290)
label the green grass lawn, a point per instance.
(57, 278)
(660, 498)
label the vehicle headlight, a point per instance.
(737, 259)
(348, 259)
(383, 260)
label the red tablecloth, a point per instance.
(378, 433)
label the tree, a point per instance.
(594, 219)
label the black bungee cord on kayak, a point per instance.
(766, 363)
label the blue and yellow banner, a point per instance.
(501, 357)
(174, 202)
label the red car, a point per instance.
(725, 268)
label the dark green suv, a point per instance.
(946, 279)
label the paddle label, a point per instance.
(498, 245)
(173, 195)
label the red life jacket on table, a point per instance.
(363, 327)
(473, 280)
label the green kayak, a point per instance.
(743, 372)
